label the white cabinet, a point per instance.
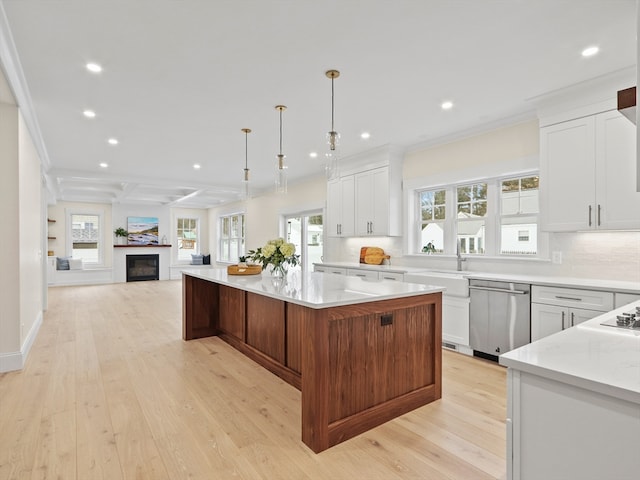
(587, 174)
(369, 274)
(455, 319)
(372, 202)
(555, 308)
(399, 277)
(622, 299)
(340, 207)
(334, 270)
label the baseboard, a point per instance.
(16, 360)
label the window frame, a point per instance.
(502, 216)
(221, 238)
(493, 218)
(176, 218)
(100, 213)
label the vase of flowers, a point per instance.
(278, 255)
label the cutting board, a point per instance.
(372, 255)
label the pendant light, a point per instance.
(281, 168)
(333, 137)
(245, 181)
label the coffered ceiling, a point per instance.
(181, 78)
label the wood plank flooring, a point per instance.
(110, 391)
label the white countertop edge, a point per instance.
(574, 380)
(413, 290)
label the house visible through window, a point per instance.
(471, 210)
(231, 244)
(519, 216)
(432, 215)
(187, 234)
(85, 237)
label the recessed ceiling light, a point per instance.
(196, 166)
(447, 105)
(313, 154)
(104, 165)
(113, 141)
(89, 113)
(94, 67)
(365, 135)
(590, 51)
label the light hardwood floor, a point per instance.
(110, 391)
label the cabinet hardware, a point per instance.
(360, 275)
(389, 278)
(589, 215)
(572, 319)
(575, 299)
(563, 314)
(599, 208)
(386, 319)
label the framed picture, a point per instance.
(142, 230)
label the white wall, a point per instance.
(21, 256)
(31, 234)
(264, 212)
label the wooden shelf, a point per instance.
(51, 238)
(50, 221)
(141, 246)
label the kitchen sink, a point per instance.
(455, 282)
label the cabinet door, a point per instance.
(617, 204)
(369, 274)
(547, 320)
(579, 315)
(380, 217)
(567, 176)
(340, 207)
(364, 203)
(455, 320)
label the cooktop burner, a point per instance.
(629, 320)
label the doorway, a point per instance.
(305, 231)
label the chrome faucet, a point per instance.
(459, 257)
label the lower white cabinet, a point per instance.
(550, 319)
(455, 319)
(334, 270)
(391, 276)
(555, 308)
(369, 274)
(622, 299)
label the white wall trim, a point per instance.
(16, 360)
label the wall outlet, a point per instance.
(556, 258)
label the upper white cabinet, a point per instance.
(366, 200)
(340, 207)
(372, 202)
(587, 174)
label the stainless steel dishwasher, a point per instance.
(499, 317)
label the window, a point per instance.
(187, 235)
(231, 244)
(84, 237)
(432, 217)
(497, 216)
(471, 210)
(305, 232)
(519, 216)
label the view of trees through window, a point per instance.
(502, 211)
(231, 238)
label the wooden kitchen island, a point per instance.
(362, 352)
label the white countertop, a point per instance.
(377, 268)
(589, 355)
(568, 282)
(316, 290)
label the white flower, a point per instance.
(268, 250)
(287, 249)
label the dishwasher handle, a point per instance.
(500, 290)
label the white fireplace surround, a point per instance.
(120, 261)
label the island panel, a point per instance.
(199, 308)
(232, 311)
(293, 335)
(266, 325)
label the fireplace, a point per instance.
(143, 267)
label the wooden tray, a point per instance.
(248, 270)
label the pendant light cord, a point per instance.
(332, 129)
(280, 131)
(246, 146)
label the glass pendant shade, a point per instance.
(246, 190)
(281, 168)
(333, 138)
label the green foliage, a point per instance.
(120, 232)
